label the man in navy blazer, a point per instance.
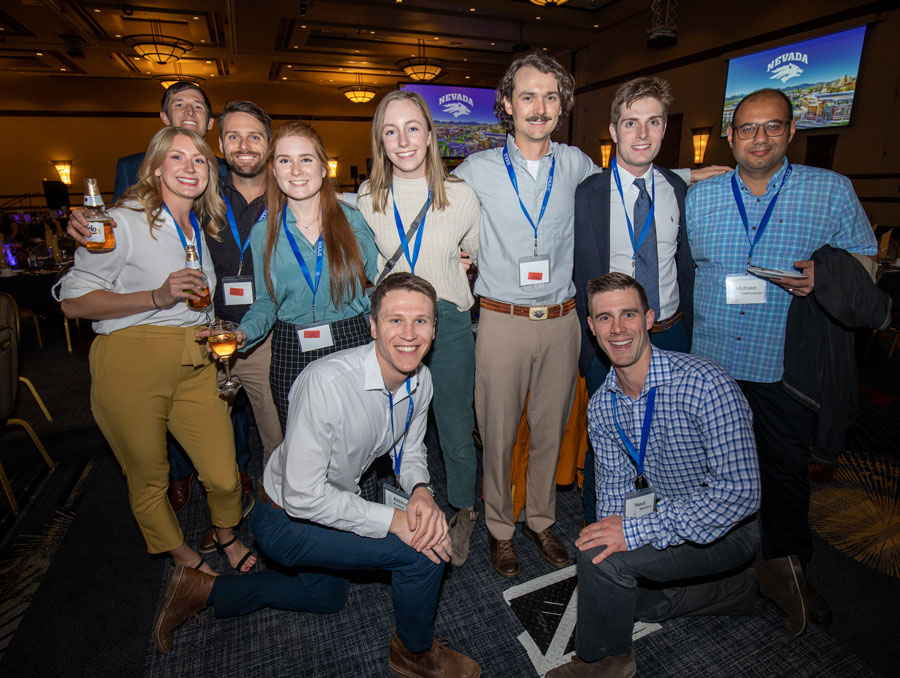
(183, 105)
(605, 209)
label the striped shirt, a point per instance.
(701, 453)
(815, 207)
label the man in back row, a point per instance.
(773, 214)
(677, 493)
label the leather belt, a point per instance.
(530, 312)
(264, 498)
(667, 324)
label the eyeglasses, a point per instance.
(773, 128)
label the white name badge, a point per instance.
(534, 270)
(394, 497)
(744, 289)
(238, 291)
(315, 337)
(640, 503)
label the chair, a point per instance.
(9, 317)
(9, 372)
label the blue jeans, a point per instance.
(652, 585)
(673, 339)
(415, 580)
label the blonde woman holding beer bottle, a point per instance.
(148, 372)
(422, 219)
(313, 256)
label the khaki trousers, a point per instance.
(515, 356)
(252, 370)
(144, 380)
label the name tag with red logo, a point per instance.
(534, 270)
(238, 290)
(315, 337)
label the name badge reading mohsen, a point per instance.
(744, 289)
(534, 270)
(394, 497)
(238, 290)
(640, 503)
(315, 337)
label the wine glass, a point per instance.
(223, 342)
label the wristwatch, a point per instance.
(427, 486)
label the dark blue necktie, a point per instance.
(646, 265)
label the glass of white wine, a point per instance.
(223, 342)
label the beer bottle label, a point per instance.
(93, 201)
(96, 229)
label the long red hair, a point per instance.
(345, 262)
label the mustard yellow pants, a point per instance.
(146, 379)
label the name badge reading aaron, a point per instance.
(534, 270)
(744, 289)
(315, 337)
(238, 290)
(640, 503)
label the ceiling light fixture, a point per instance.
(64, 169)
(156, 47)
(359, 93)
(421, 67)
(549, 3)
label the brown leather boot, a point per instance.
(439, 661)
(504, 558)
(185, 596)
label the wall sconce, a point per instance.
(700, 136)
(64, 169)
(332, 167)
(605, 152)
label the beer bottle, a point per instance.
(191, 260)
(102, 238)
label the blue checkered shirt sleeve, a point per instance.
(701, 455)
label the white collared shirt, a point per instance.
(339, 422)
(666, 217)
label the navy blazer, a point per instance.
(127, 171)
(592, 207)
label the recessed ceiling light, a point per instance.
(303, 26)
(39, 53)
(96, 11)
(196, 18)
(544, 48)
(284, 77)
(209, 62)
(296, 47)
(118, 35)
(467, 77)
(371, 32)
(437, 38)
(62, 69)
(596, 25)
(203, 41)
(493, 43)
(136, 58)
(538, 18)
(471, 9)
(289, 66)
(465, 59)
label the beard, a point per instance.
(246, 172)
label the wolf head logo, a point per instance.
(786, 72)
(457, 109)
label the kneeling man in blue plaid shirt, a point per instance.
(677, 493)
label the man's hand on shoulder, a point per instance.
(702, 173)
(606, 532)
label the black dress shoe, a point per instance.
(819, 609)
(781, 580)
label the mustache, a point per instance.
(539, 118)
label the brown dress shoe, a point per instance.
(185, 596)
(180, 493)
(246, 483)
(439, 661)
(504, 557)
(548, 545)
(620, 666)
(781, 580)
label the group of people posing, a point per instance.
(693, 456)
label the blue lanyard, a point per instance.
(402, 232)
(649, 220)
(234, 231)
(409, 413)
(320, 255)
(766, 215)
(515, 183)
(197, 239)
(645, 434)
